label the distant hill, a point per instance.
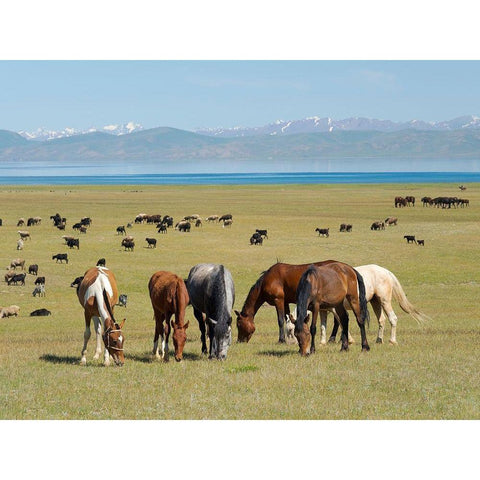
(169, 145)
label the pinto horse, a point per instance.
(98, 294)
(380, 286)
(169, 296)
(277, 286)
(326, 288)
(212, 293)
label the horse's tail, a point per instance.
(404, 303)
(364, 315)
(304, 290)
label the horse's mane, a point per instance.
(304, 290)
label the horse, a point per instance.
(212, 292)
(380, 286)
(98, 294)
(277, 286)
(326, 288)
(169, 296)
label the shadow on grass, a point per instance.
(278, 353)
(56, 359)
(148, 358)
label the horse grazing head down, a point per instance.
(222, 338)
(245, 326)
(113, 339)
(179, 338)
(304, 337)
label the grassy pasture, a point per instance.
(431, 374)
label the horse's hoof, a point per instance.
(392, 342)
(379, 340)
(281, 340)
(178, 359)
(331, 340)
(365, 348)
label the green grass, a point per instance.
(431, 374)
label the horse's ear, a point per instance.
(307, 319)
(123, 322)
(186, 325)
(292, 318)
(237, 313)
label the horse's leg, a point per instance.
(333, 335)
(201, 324)
(313, 328)
(280, 307)
(392, 318)
(323, 327)
(158, 326)
(343, 315)
(377, 308)
(355, 305)
(86, 338)
(167, 335)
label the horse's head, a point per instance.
(222, 338)
(113, 338)
(245, 326)
(303, 336)
(179, 338)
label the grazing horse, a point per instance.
(169, 296)
(98, 294)
(277, 286)
(380, 286)
(212, 293)
(327, 288)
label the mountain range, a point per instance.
(281, 141)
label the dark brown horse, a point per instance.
(326, 288)
(278, 287)
(169, 296)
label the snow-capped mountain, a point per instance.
(327, 124)
(42, 134)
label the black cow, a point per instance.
(410, 238)
(151, 242)
(162, 228)
(184, 226)
(378, 226)
(128, 244)
(121, 230)
(323, 232)
(228, 216)
(40, 281)
(77, 226)
(256, 239)
(101, 262)
(73, 242)
(263, 233)
(41, 312)
(345, 227)
(60, 257)
(77, 282)
(20, 277)
(33, 269)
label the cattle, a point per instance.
(256, 239)
(20, 244)
(86, 221)
(39, 290)
(11, 311)
(421, 242)
(24, 235)
(400, 202)
(77, 226)
(57, 219)
(33, 269)
(67, 238)
(410, 238)
(9, 274)
(168, 220)
(73, 242)
(391, 221)
(427, 201)
(227, 223)
(151, 242)
(162, 228)
(41, 312)
(324, 232)
(60, 257)
(17, 262)
(121, 230)
(101, 262)
(228, 216)
(122, 300)
(61, 226)
(34, 221)
(83, 230)
(21, 222)
(128, 244)
(20, 277)
(212, 218)
(410, 201)
(77, 282)
(40, 280)
(140, 217)
(263, 233)
(183, 226)
(377, 226)
(345, 227)
(198, 222)
(154, 218)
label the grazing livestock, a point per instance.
(57, 219)
(61, 226)
(212, 292)
(377, 226)
(77, 282)
(183, 226)
(60, 257)
(400, 202)
(162, 228)
(9, 274)
(40, 280)
(77, 226)
(151, 242)
(24, 235)
(198, 222)
(345, 227)
(39, 290)
(21, 222)
(11, 311)
(256, 239)
(33, 269)
(427, 201)
(67, 238)
(83, 229)
(462, 187)
(410, 238)
(326, 288)
(410, 201)
(169, 296)
(41, 312)
(73, 242)
(227, 223)
(17, 262)
(86, 221)
(20, 277)
(168, 220)
(128, 244)
(212, 218)
(122, 300)
(421, 242)
(389, 221)
(324, 232)
(121, 230)
(227, 216)
(101, 262)
(98, 295)
(263, 233)
(19, 244)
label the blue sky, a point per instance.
(192, 94)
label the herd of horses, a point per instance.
(316, 289)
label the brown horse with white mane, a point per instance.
(98, 294)
(169, 296)
(278, 287)
(326, 287)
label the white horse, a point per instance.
(380, 285)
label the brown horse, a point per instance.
(169, 296)
(278, 287)
(326, 288)
(98, 294)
